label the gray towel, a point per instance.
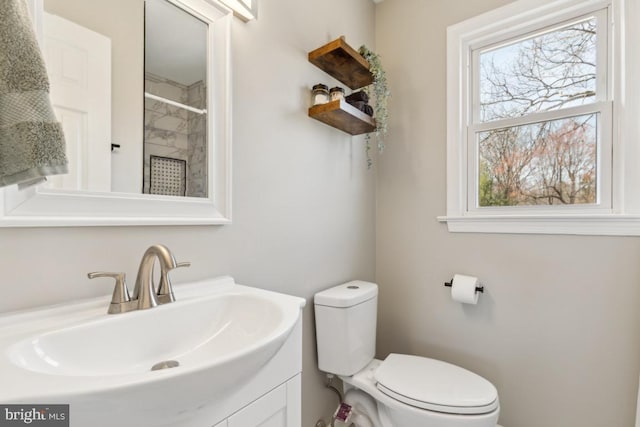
(31, 140)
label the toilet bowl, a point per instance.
(401, 390)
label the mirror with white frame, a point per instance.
(115, 184)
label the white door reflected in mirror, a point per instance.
(79, 67)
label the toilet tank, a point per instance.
(346, 327)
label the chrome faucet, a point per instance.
(144, 293)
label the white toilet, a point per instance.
(402, 390)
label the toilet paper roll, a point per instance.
(463, 289)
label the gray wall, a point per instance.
(558, 329)
(304, 201)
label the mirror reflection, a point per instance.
(128, 83)
(175, 110)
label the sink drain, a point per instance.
(165, 364)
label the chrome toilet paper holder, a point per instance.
(478, 288)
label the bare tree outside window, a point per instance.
(547, 162)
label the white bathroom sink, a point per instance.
(212, 330)
(217, 334)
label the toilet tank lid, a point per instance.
(347, 294)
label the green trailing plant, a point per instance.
(378, 91)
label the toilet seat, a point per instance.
(435, 385)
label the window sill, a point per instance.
(591, 225)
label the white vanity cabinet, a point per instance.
(278, 408)
(270, 399)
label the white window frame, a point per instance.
(618, 101)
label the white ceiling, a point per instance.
(175, 43)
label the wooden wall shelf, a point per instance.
(342, 62)
(344, 116)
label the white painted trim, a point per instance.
(58, 208)
(294, 401)
(36, 207)
(242, 10)
(622, 215)
(543, 116)
(638, 411)
(579, 224)
(36, 9)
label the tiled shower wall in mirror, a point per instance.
(172, 132)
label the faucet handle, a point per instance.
(120, 291)
(165, 290)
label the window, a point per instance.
(535, 130)
(538, 128)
